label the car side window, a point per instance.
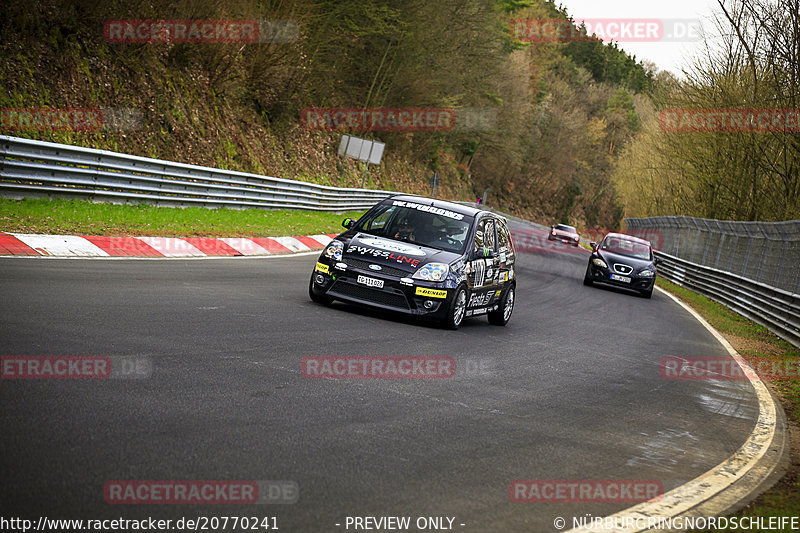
(479, 230)
(484, 234)
(378, 223)
(489, 239)
(503, 239)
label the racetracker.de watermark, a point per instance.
(74, 367)
(378, 367)
(726, 369)
(585, 490)
(630, 30)
(730, 120)
(78, 119)
(399, 118)
(200, 492)
(157, 31)
(378, 119)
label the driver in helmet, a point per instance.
(406, 231)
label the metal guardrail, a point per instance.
(767, 252)
(37, 168)
(751, 267)
(776, 309)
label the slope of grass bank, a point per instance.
(76, 217)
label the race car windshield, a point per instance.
(620, 246)
(420, 224)
(563, 227)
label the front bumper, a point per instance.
(603, 275)
(565, 240)
(415, 297)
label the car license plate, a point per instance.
(370, 282)
(623, 279)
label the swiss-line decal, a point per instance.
(400, 258)
(392, 246)
(433, 293)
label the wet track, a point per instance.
(571, 389)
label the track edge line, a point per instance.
(711, 484)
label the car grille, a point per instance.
(369, 294)
(622, 269)
(386, 270)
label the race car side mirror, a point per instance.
(348, 223)
(593, 245)
(658, 261)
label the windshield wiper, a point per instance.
(432, 246)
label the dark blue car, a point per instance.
(623, 261)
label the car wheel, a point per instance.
(575, 244)
(501, 316)
(587, 279)
(648, 294)
(458, 308)
(317, 298)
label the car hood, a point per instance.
(406, 256)
(611, 258)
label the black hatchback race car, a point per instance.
(422, 257)
(624, 261)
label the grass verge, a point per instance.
(80, 217)
(757, 344)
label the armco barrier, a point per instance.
(37, 168)
(766, 252)
(776, 309)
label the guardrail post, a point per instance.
(749, 244)
(779, 268)
(735, 247)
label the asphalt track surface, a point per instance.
(570, 389)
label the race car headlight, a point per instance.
(432, 272)
(334, 250)
(599, 262)
(646, 273)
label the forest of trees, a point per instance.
(574, 135)
(753, 63)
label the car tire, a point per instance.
(458, 309)
(575, 244)
(317, 298)
(648, 294)
(501, 316)
(587, 280)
